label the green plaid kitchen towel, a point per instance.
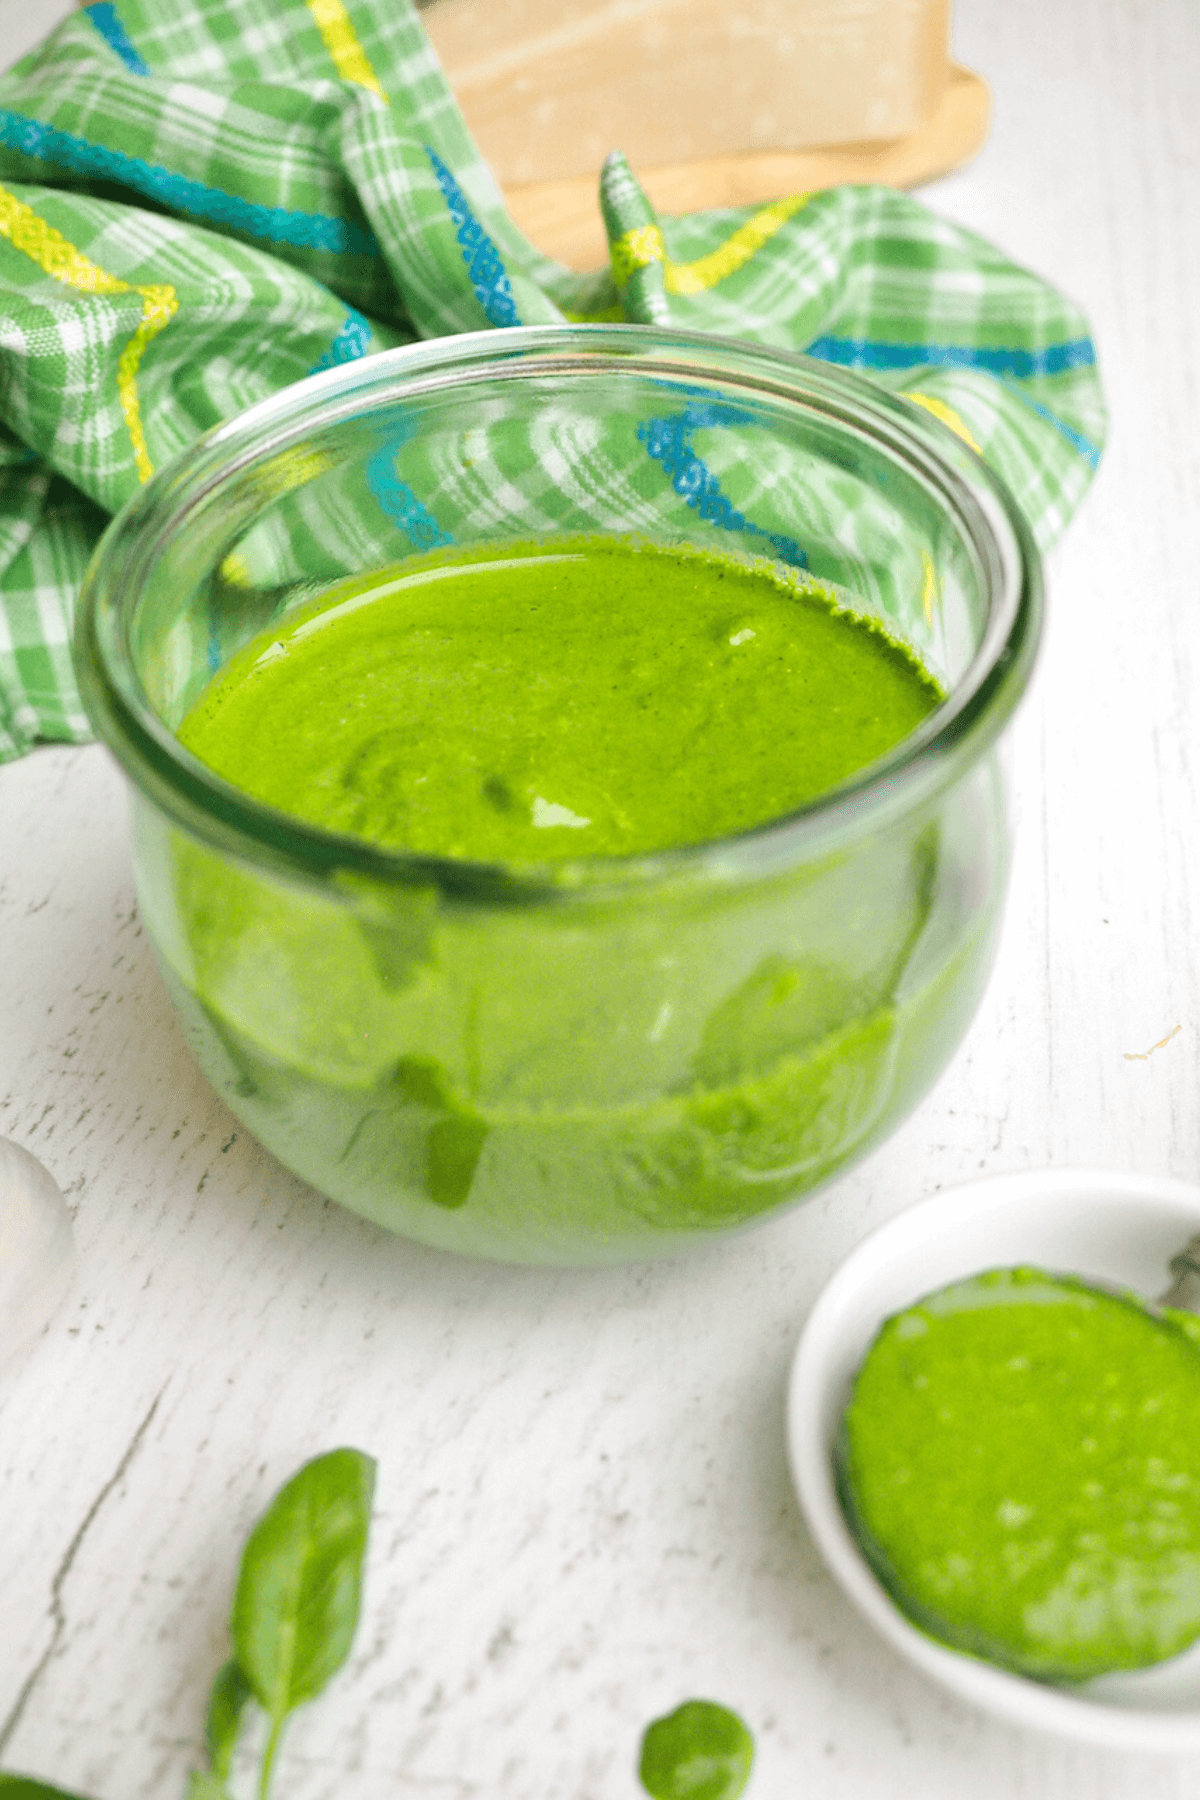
(203, 200)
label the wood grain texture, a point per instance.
(584, 1514)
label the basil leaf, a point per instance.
(701, 1751)
(226, 1703)
(204, 1786)
(20, 1787)
(300, 1581)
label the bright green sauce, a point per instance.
(1020, 1460)
(593, 700)
(610, 1076)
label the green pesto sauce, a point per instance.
(587, 698)
(701, 1751)
(1020, 1459)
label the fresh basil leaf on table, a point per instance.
(205, 1786)
(226, 1704)
(298, 1590)
(701, 1751)
(296, 1604)
(20, 1787)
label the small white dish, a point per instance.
(1115, 1227)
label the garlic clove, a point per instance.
(37, 1250)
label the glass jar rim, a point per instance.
(955, 735)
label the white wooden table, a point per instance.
(584, 1514)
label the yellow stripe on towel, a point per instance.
(735, 252)
(643, 244)
(946, 414)
(344, 45)
(28, 232)
(635, 249)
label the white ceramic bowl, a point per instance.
(1116, 1227)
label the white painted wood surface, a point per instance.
(584, 1514)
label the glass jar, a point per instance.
(610, 1058)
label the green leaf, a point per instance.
(205, 1786)
(297, 1598)
(226, 1703)
(701, 1751)
(20, 1787)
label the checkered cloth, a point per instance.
(203, 200)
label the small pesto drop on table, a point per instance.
(573, 698)
(701, 1751)
(1020, 1461)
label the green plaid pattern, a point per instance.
(201, 202)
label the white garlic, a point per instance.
(37, 1251)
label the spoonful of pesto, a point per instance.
(1020, 1462)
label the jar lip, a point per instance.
(954, 735)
